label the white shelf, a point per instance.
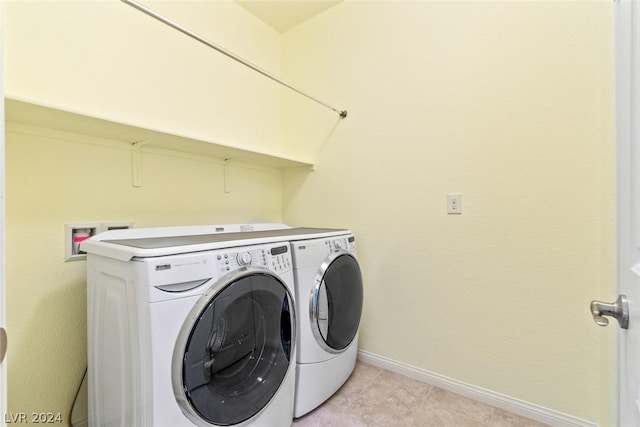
(17, 111)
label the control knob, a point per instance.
(244, 258)
(338, 244)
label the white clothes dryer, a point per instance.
(190, 326)
(329, 301)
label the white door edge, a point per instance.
(627, 45)
(3, 371)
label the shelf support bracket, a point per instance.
(136, 162)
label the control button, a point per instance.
(244, 258)
(219, 257)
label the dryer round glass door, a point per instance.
(336, 302)
(235, 349)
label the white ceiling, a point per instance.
(285, 14)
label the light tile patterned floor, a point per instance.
(377, 397)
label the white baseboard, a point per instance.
(510, 404)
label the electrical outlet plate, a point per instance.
(454, 203)
(74, 234)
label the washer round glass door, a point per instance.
(336, 302)
(235, 349)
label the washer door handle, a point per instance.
(322, 311)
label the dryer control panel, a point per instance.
(347, 243)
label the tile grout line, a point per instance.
(366, 386)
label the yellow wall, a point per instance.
(509, 103)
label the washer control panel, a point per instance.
(195, 272)
(276, 257)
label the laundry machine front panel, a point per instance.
(235, 349)
(138, 309)
(329, 292)
(166, 319)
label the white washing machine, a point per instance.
(329, 299)
(190, 326)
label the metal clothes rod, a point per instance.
(153, 14)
